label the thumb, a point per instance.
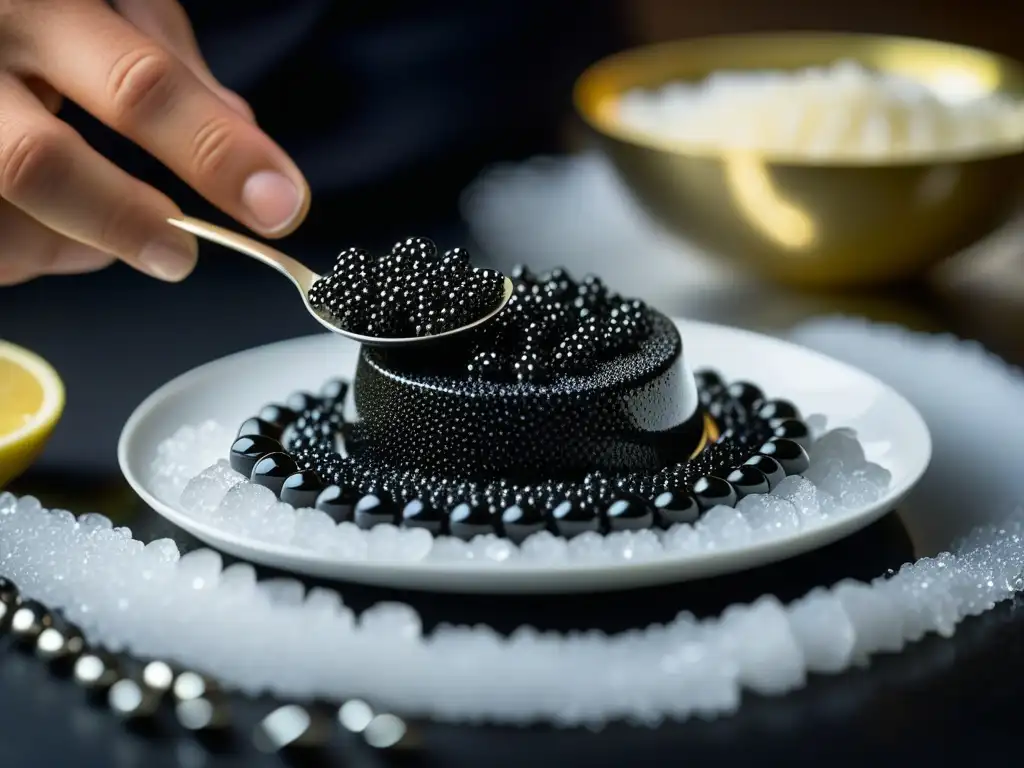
(167, 23)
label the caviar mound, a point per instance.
(637, 411)
(412, 292)
(571, 410)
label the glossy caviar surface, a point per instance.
(413, 291)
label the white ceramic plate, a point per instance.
(233, 388)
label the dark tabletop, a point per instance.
(116, 336)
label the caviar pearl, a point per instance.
(778, 409)
(373, 509)
(419, 514)
(747, 395)
(302, 401)
(629, 514)
(572, 518)
(748, 480)
(277, 415)
(247, 450)
(334, 502)
(790, 455)
(708, 380)
(519, 522)
(792, 429)
(257, 426)
(469, 519)
(301, 489)
(271, 470)
(674, 507)
(710, 491)
(334, 392)
(771, 469)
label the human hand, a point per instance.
(65, 208)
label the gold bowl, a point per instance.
(809, 222)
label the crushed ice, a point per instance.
(840, 478)
(277, 636)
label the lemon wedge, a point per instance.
(31, 403)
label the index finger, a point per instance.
(134, 85)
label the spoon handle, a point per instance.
(301, 275)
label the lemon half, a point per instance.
(31, 403)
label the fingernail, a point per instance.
(272, 199)
(167, 260)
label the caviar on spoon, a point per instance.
(412, 295)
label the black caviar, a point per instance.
(571, 410)
(412, 292)
(554, 325)
(340, 478)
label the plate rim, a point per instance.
(509, 578)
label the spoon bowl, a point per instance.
(303, 277)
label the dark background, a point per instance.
(390, 109)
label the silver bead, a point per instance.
(96, 670)
(60, 645)
(354, 715)
(291, 726)
(387, 731)
(158, 677)
(199, 705)
(28, 621)
(131, 700)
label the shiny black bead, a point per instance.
(302, 401)
(277, 415)
(8, 591)
(572, 517)
(708, 379)
(520, 522)
(334, 392)
(778, 409)
(674, 507)
(9, 600)
(748, 480)
(791, 429)
(748, 395)
(710, 491)
(467, 520)
(257, 426)
(302, 488)
(711, 395)
(271, 470)
(768, 466)
(629, 513)
(246, 451)
(790, 455)
(336, 503)
(374, 509)
(419, 514)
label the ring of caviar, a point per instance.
(293, 449)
